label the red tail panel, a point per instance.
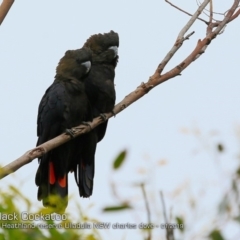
(52, 177)
(62, 181)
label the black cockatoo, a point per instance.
(99, 86)
(64, 105)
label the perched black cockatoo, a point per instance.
(99, 86)
(64, 105)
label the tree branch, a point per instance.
(189, 14)
(211, 12)
(139, 92)
(229, 16)
(180, 38)
(4, 8)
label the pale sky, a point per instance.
(159, 131)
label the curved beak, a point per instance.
(115, 49)
(87, 65)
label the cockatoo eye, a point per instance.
(115, 49)
(87, 65)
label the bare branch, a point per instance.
(180, 37)
(193, 19)
(48, 146)
(4, 8)
(229, 16)
(139, 92)
(205, 10)
(235, 15)
(211, 12)
(217, 13)
(189, 14)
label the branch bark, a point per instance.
(4, 8)
(140, 91)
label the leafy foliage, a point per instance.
(216, 235)
(14, 226)
(117, 163)
(117, 208)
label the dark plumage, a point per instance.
(99, 86)
(64, 105)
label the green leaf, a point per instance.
(180, 221)
(90, 237)
(220, 147)
(9, 201)
(117, 208)
(216, 235)
(119, 159)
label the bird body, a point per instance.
(99, 87)
(64, 105)
(76, 95)
(99, 84)
(101, 93)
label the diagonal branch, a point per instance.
(229, 16)
(180, 38)
(189, 14)
(4, 8)
(139, 92)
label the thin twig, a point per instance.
(189, 14)
(217, 13)
(193, 19)
(220, 25)
(148, 211)
(4, 8)
(164, 207)
(228, 17)
(211, 11)
(205, 10)
(169, 231)
(180, 38)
